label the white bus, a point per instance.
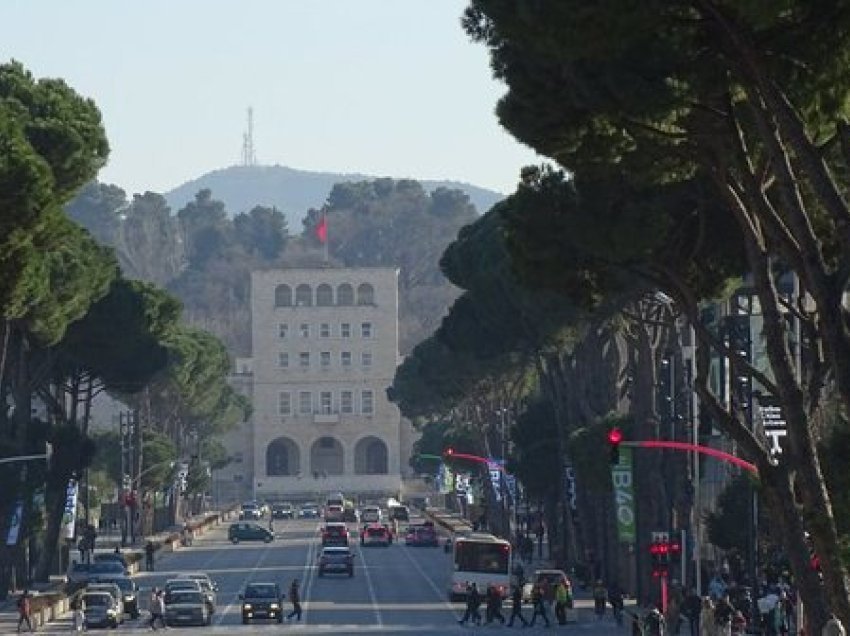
(482, 559)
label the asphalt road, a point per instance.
(398, 589)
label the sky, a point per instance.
(380, 87)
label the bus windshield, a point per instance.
(487, 558)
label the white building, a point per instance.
(325, 349)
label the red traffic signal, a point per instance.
(615, 436)
(450, 451)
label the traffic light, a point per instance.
(449, 451)
(661, 549)
(615, 436)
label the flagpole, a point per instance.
(325, 221)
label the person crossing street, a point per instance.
(516, 610)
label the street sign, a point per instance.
(773, 422)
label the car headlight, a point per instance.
(274, 606)
(110, 612)
(247, 606)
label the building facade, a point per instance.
(325, 349)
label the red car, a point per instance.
(424, 534)
(376, 534)
(335, 533)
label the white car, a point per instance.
(371, 514)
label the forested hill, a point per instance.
(293, 191)
(204, 252)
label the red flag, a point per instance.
(322, 230)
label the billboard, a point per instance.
(624, 496)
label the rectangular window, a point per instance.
(366, 330)
(346, 402)
(283, 330)
(237, 458)
(325, 330)
(304, 360)
(326, 359)
(345, 359)
(367, 405)
(345, 330)
(326, 402)
(284, 403)
(305, 403)
(366, 359)
(305, 330)
(283, 360)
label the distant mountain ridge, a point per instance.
(293, 191)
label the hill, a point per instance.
(292, 191)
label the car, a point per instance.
(399, 513)
(421, 535)
(114, 590)
(283, 511)
(129, 592)
(262, 601)
(371, 514)
(112, 556)
(376, 534)
(250, 511)
(207, 586)
(551, 578)
(176, 585)
(186, 607)
(242, 531)
(100, 609)
(308, 511)
(334, 512)
(107, 568)
(335, 533)
(78, 574)
(336, 559)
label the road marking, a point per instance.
(307, 572)
(263, 554)
(434, 586)
(375, 607)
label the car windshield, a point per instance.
(185, 596)
(261, 591)
(106, 566)
(95, 600)
(336, 530)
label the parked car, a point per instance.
(249, 532)
(100, 609)
(336, 559)
(335, 533)
(376, 534)
(129, 592)
(423, 534)
(186, 607)
(262, 601)
(308, 511)
(283, 511)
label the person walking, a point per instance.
(516, 609)
(562, 599)
(654, 624)
(723, 612)
(25, 611)
(157, 610)
(295, 599)
(600, 599)
(494, 605)
(149, 550)
(539, 605)
(706, 617)
(833, 627)
(473, 603)
(691, 608)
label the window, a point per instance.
(324, 295)
(326, 402)
(326, 359)
(284, 403)
(345, 295)
(282, 296)
(367, 405)
(366, 330)
(365, 294)
(304, 359)
(304, 330)
(303, 296)
(345, 330)
(366, 359)
(345, 359)
(346, 402)
(283, 330)
(283, 360)
(237, 457)
(324, 330)
(305, 403)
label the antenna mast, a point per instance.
(249, 155)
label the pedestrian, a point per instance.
(540, 532)
(562, 598)
(82, 547)
(539, 606)
(295, 599)
(149, 550)
(833, 627)
(494, 605)
(79, 614)
(739, 623)
(654, 624)
(723, 612)
(25, 610)
(473, 603)
(615, 598)
(157, 609)
(600, 599)
(706, 617)
(691, 609)
(516, 609)
(271, 524)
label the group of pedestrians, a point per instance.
(542, 595)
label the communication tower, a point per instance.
(249, 155)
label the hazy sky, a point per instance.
(384, 87)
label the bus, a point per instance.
(483, 559)
(334, 509)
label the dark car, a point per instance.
(244, 531)
(111, 556)
(337, 559)
(335, 533)
(424, 534)
(262, 601)
(283, 511)
(399, 513)
(101, 609)
(129, 591)
(308, 511)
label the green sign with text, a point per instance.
(624, 496)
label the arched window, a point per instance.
(282, 457)
(324, 295)
(303, 296)
(326, 457)
(282, 296)
(345, 295)
(371, 457)
(365, 294)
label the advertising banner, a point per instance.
(69, 515)
(773, 421)
(15, 524)
(570, 485)
(624, 496)
(495, 470)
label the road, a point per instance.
(398, 589)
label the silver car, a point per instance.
(187, 607)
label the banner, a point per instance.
(15, 524)
(69, 516)
(510, 484)
(495, 470)
(570, 485)
(624, 496)
(773, 421)
(445, 479)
